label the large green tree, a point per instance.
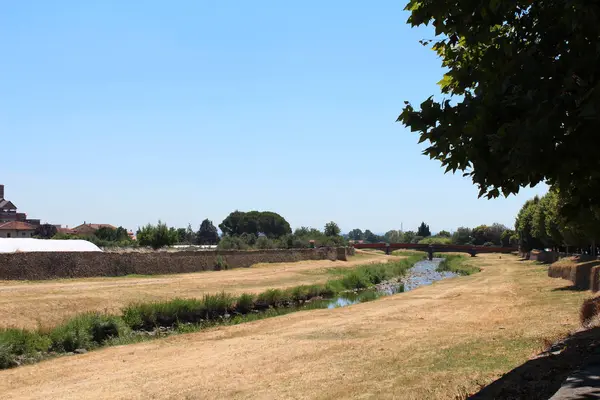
(423, 230)
(522, 94)
(207, 234)
(355, 234)
(268, 223)
(331, 229)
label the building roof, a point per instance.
(65, 230)
(95, 226)
(6, 204)
(16, 226)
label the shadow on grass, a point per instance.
(541, 377)
(571, 288)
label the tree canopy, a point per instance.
(423, 230)
(524, 94)
(267, 223)
(331, 229)
(207, 234)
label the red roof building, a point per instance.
(16, 229)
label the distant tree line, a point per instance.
(482, 235)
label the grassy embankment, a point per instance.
(437, 342)
(93, 330)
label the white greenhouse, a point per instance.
(38, 245)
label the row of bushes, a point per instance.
(92, 330)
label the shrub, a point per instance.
(273, 298)
(245, 303)
(232, 243)
(86, 331)
(216, 305)
(20, 342)
(157, 236)
(264, 243)
(221, 263)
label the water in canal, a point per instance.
(422, 273)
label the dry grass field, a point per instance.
(47, 303)
(436, 342)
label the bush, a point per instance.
(20, 342)
(245, 303)
(264, 243)
(157, 236)
(86, 331)
(436, 240)
(273, 298)
(148, 316)
(221, 263)
(232, 243)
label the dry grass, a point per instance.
(48, 303)
(436, 342)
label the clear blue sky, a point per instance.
(126, 112)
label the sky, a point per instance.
(130, 112)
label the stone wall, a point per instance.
(53, 265)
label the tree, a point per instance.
(462, 236)
(508, 238)
(156, 236)
(268, 223)
(423, 230)
(522, 77)
(180, 235)
(444, 234)
(408, 236)
(112, 235)
(332, 229)
(355, 234)
(523, 226)
(370, 237)
(207, 234)
(45, 231)
(393, 236)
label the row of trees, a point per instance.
(303, 237)
(490, 235)
(540, 224)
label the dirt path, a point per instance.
(439, 341)
(47, 303)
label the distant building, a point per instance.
(8, 212)
(90, 229)
(16, 229)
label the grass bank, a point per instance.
(142, 321)
(457, 263)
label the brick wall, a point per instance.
(53, 265)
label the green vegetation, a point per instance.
(332, 229)
(423, 230)
(92, 330)
(266, 223)
(157, 236)
(455, 263)
(539, 224)
(520, 102)
(207, 234)
(436, 240)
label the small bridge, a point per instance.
(435, 248)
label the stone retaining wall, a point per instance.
(54, 265)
